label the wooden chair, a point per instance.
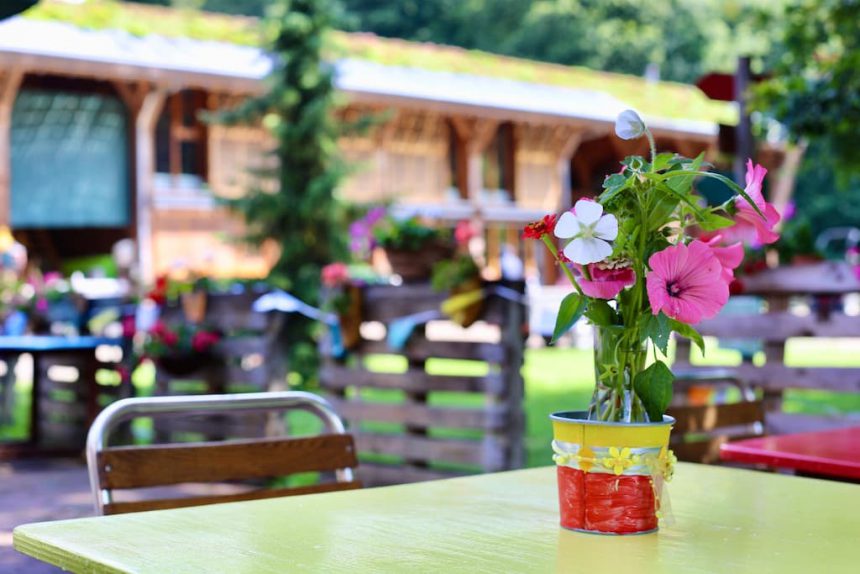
(700, 429)
(134, 467)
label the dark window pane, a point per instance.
(189, 108)
(162, 142)
(191, 158)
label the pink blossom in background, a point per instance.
(128, 326)
(41, 305)
(464, 232)
(605, 283)
(729, 256)
(750, 227)
(686, 282)
(334, 274)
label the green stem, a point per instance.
(653, 146)
(547, 240)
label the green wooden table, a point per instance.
(726, 520)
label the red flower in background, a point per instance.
(538, 229)
(159, 292)
(203, 340)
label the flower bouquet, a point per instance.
(647, 258)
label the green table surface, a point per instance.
(726, 520)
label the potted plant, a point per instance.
(461, 277)
(411, 246)
(645, 259)
(343, 297)
(182, 348)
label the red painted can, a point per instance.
(606, 503)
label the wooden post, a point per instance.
(144, 178)
(9, 84)
(477, 135)
(743, 134)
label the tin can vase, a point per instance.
(610, 475)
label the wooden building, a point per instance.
(100, 136)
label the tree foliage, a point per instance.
(815, 88)
(295, 204)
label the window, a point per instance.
(180, 136)
(498, 164)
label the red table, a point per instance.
(833, 453)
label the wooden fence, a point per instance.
(405, 427)
(248, 358)
(819, 291)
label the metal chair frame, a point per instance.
(128, 409)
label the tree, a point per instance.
(815, 89)
(300, 211)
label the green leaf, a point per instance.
(600, 313)
(712, 222)
(569, 312)
(687, 331)
(656, 328)
(731, 185)
(613, 185)
(653, 386)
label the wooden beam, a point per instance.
(10, 81)
(144, 146)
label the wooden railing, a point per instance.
(819, 290)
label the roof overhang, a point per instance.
(58, 48)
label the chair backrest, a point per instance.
(699, 430)
(132, 467)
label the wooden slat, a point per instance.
(783, 423)
(416, 415)
(136, 467)
(779, 377)
(386, 303)
(708, 418)
(334, 376)
(706, 451)
(420, 349)
(779, 326)
(167, 503)
(488, 453)
(380, 474)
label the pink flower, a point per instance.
(334, 274)
(605, 282)
(686, 282)
(730, 256)
(464, 232)
(750, 227)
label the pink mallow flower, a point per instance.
(729, 256)
(687, 282)
(334, 274)
(606, 282)
(750, 227)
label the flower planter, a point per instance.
(417, 265)
(471, 313)
(183, 364)
(350, 318)
(610, 475)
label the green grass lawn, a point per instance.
(557, 379)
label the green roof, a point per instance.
(660, 99)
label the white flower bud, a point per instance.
(629, 125)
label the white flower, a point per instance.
(591, 232)
(629, 126)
